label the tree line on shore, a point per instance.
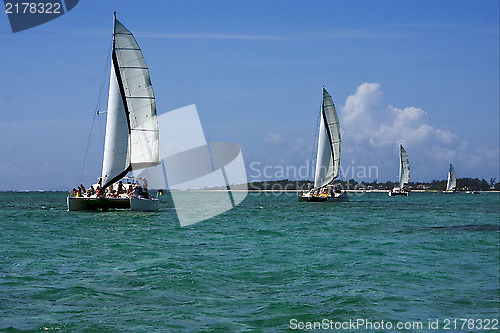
(463, 184)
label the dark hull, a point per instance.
(312, 199)
(78, 203)
(323, 199)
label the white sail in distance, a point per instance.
(132, 127)
(404, 167)
(451, 184)
(328, 156)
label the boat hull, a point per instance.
(137, 204)
(307, 198)
(340, 198)
(393, 194)
(81, 203)
(312, 199)
(144, 205)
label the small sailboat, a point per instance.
(132, 135)
(451, 184)
(404, 174)
(328, 156)
(473, 192)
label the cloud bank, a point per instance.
(373, 130)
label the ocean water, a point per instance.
(272, 264)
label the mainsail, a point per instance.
(404, 167)
(451, 184)
(132, 128)
(328, 157)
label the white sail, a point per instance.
(132, 128)
(328, 156)
(404, 167)
(451, 184)
(116, 145)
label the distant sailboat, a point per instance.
(328, 156)
(132, 136)
(404, 174)
(451, 184)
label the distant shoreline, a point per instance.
(296, 191)
(250, 191)
(351, 186)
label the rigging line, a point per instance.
(96, 113)
(87, 149)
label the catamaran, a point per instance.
(132, 135)
(328, 156)
(451, 184)
(404, 174)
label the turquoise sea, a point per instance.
(271, 264)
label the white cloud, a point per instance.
(373, 131)
(285, 152)
(274, 138)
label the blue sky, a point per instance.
(424, 73)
